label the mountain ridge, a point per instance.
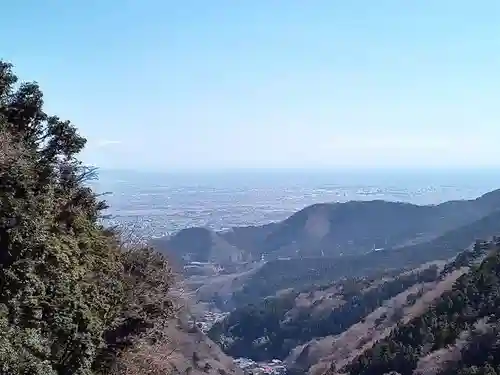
(281, 274)
(329, 229)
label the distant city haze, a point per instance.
(155, 204)
(164, 85)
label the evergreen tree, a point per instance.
(70, 299)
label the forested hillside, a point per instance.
(277, 325)
(458, 335)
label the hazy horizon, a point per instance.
(438, 170)
(489, 179)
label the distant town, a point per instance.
(249, 367)
(208, 319)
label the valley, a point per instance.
(284, 297)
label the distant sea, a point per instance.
(155, 204)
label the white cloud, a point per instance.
(107, 142)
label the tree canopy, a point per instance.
(72, 300)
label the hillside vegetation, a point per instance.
(278, 324)
(73, 298)
(459, 334)
(271, 328)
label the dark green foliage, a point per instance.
(466, 257)
(481, 355)
(475, 296)
(283, 331)
(70, 299)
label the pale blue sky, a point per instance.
(163, 84)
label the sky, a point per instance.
(202, 85)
